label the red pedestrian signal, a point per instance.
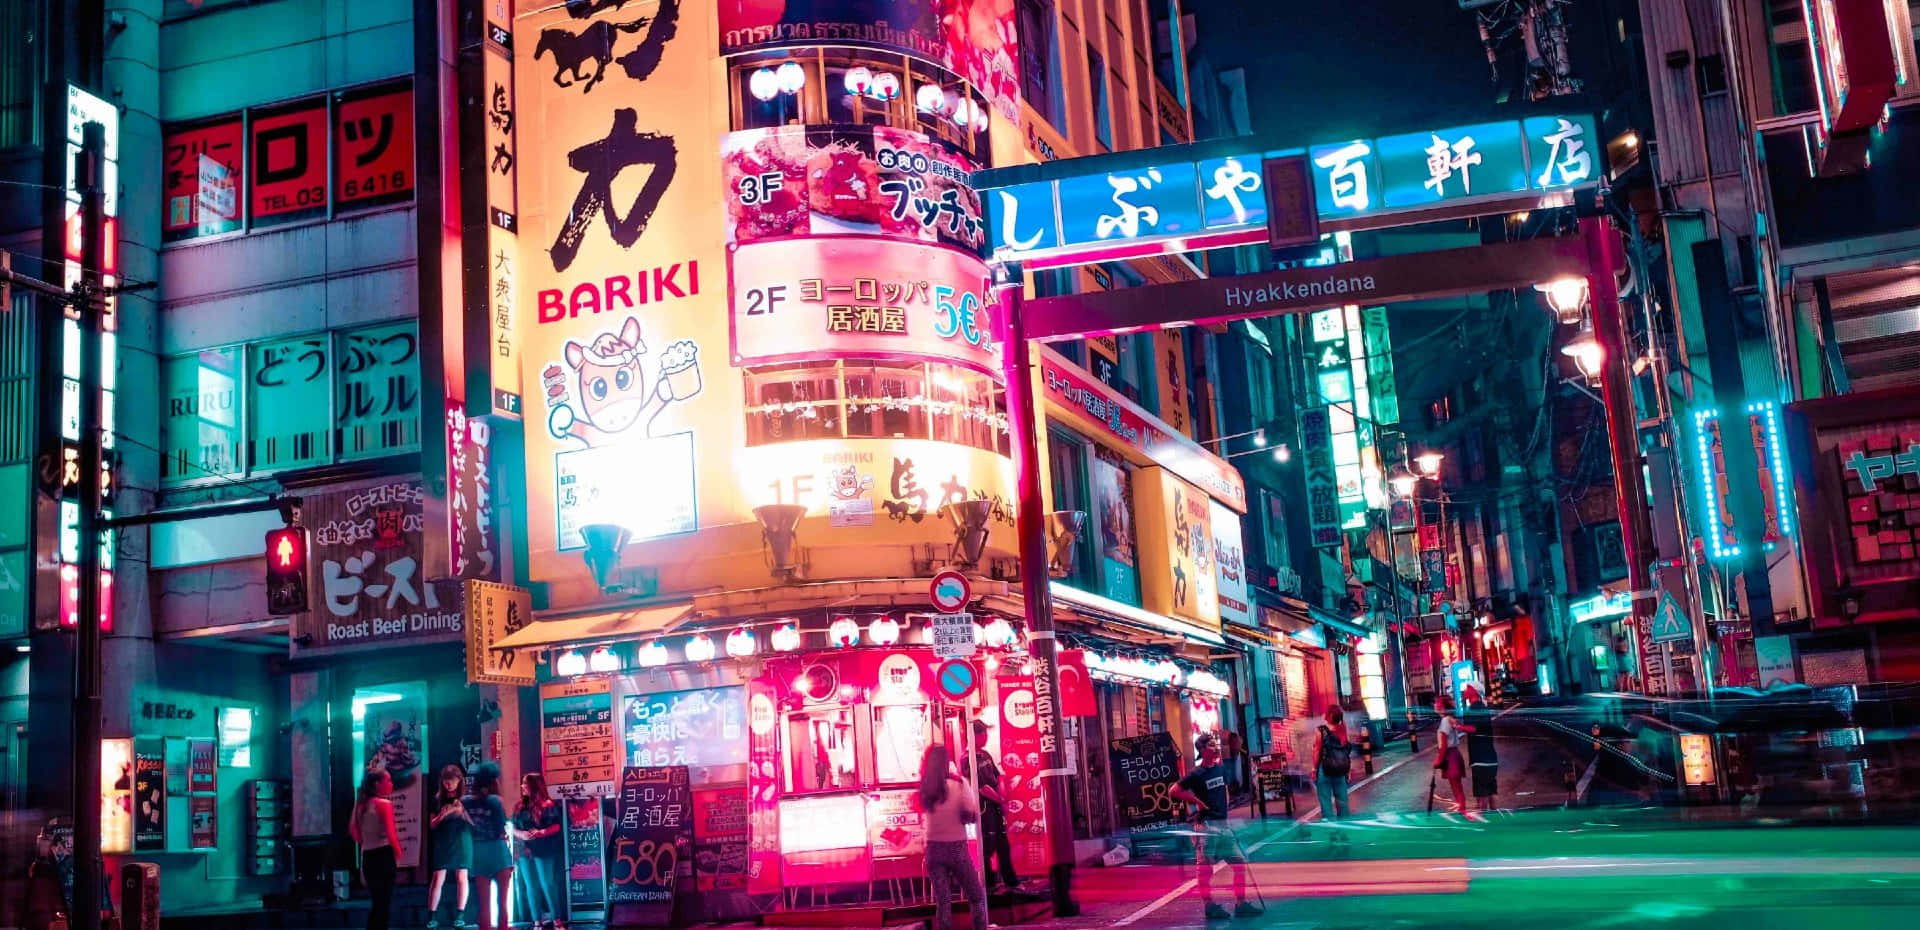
(287, 571)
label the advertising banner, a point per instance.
(503, 208)
(586, 833)
(392, 740)
(1230, 566)
(763, 786)
(371, 590)
(896, 827)
(202, 827)
(372, 147)
(652, 833)
(701, 729)
(470, 514)
(720, 830)
(1021, 763)
(834, 180)
(623, 336)
(201, 773)
(576, 737)
(973, 38)
(1113, 500)
(149, 795)
(116, 795)
(798, 299)
(1176, 579)
(289, 161)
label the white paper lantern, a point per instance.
(999, 633)
(786, 638)
(571, 662)
(763, 85)
(602, 659)
(930, 98)
(652, 655)
(844, 632)
(699, 648)
(886, 86)
(962, 112)
(885, 631)
(740, 643)
(791, 76)
(859, 81)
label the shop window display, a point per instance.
(823, 753)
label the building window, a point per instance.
(876, 400)
(822, 95)
(1110, 521)
(1138, 379)
(19, 72)
(289, 403)
(1102, 110)
(1067, 459)
(1040, 60)
(1260, 383)
(1273, 535)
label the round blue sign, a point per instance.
(957, 679)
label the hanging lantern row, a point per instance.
(770, 82)
(862, 81)
(844, 632)
(931, 99)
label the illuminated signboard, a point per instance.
(1861, 50)
(1763, 418)
(799, 299)
(701, 728)
(1356, 178)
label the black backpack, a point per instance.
(1336, 757)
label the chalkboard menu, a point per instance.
(720, 835)
(652, 832)
(1144, 768)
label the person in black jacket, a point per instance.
(1482, 762)
(993, 814)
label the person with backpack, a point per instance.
(1333, 762)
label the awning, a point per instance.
(1336, 622)
(596, 628)
(1086, 602)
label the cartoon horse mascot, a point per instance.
(611, 387)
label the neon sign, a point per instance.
(1764, 420)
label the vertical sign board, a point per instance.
(149, 795)
(1145, 768)
(1021, 762)
(652, 834)
(493, 612)
(720, 832)
(763, 786)
(586, 850)
(577, 739)
(503, 245)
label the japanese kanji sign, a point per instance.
(494, 611)
(182, 176)
(368, 587)
(373, 147)
(289, 162)
(811, 298)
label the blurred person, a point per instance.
(1447, 759)
(372, 828)
(536, 825)
(492, 866)
(1332, 764)
(1477, 721)
(452, 836)
(950, 804)
(1205, 788)
(993, 816)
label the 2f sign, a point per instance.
(763, 301)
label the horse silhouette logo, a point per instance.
(574, 51)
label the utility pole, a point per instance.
(90, 304)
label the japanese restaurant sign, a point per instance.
(494, 611)
(1021, 762)
(1065, 385)
(576, 736)
(470, 513)
(796, 299)
(371, 589)
(1362, 177)
(653, 831)
(503, 207)
(1145, 769)
(836, 180)
(1177, 579)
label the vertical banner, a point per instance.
(763, 787)
(149, 795)
(503, 207)
(116, 795)
(586, 834)
(1020, 765)
(1170, 365)
(1230, 565)
(473, 540)
(652, 834)
(393, 742)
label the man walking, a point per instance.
(1477, 721)
(993, 815)
(1206, 789)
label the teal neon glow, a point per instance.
(1705, 421)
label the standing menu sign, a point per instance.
(1144, 769)
(652, 828)
(586, 870)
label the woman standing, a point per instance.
(950, 804)
(1448, 763)
(492, 866)
(536, 824)
(1333, 762)
(372, 829)
(452, 833)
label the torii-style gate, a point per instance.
(1193, 197)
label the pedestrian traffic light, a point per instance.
(287, 570)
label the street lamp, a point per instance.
(1404, 483)
(1429, 462)
(1567, 296)
(1588, 355)
(1282, 454)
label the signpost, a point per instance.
(950, 592)
(1670, 622)
(957, 680)
(953, 636)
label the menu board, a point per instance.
(586, 845)
(1144, 769)
(652, 827)
(576, 737)
(149, 796)
(720, 832)
(698, 729)
(1020, 767)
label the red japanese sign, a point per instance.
(1021, 763)
(289, 152)
(797, 299)
(182, 172)
(1856, 471)
(373, 148)
(1066, 386)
